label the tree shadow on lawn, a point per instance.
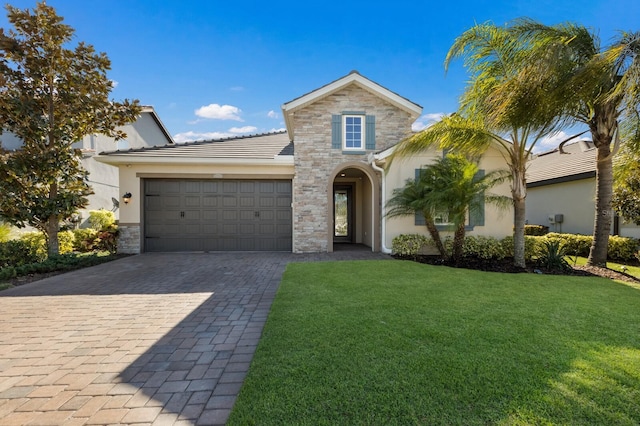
(487, 353)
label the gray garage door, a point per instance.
(217, 215)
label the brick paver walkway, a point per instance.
(162, 339)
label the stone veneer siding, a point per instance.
(314, 158)
(129, 239)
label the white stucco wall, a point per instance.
(498, 223)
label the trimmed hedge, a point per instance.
(63, 262)
(620, 248)
(536, 230)
(409, 244)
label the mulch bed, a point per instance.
(506, 265)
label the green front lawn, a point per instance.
(397, 342)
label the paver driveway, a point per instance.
(150, 339)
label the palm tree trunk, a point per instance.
(519, 213)
(435, 235)
(458, 243)
(604, 195)
(519, 194)
(603, 127)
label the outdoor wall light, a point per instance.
(126, 197)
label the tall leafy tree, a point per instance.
(502, 106)
(452, 186)
(50, 97)
(595, 85)
(626, 173)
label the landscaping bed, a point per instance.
(506, 265)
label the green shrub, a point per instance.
(101, 219)
(536, 230)
(574, 244)
(15, 253)
(5, 231)
(531, 245)
(408, 244)
(551, 255)
(38, 246)
(83, 239)
(622, 248)
(484, 247)
(107, 240)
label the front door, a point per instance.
(342, 214)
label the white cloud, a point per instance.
(426, 120)
(236, 88)
(551, 141)
(114, 84)
(245, 129)
(219, 112)
(272, 114)
(195, 136)
(281, 129)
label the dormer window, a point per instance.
(353, 131)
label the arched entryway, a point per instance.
(354, 206)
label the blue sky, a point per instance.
(220, 68)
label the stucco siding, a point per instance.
(498, 222)
(574, 200)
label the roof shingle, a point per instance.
(578, 162)
(263, 146)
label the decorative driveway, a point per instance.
(162, 339)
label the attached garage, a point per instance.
(217, 215)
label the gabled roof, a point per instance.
(151, 111)
(354, 77)
(578, 162)
(264, 147)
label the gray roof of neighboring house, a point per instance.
(577, 162)
(263, 146)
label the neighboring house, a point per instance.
(318, 184)
(561, 191)
(146, 131)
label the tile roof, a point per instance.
(262, 146)
(578, 162)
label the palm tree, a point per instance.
(597, 86)
(502, 106)
(452, 185)
(414, 198)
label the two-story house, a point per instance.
(148, 130)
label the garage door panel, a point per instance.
(191, 201)
(247, 201)
(228, 201)
(247, 187)
(229, 187)
(230, 215)
(245, 215)
(217, 215)
(210, 215)
(229, 229)
(267, 215)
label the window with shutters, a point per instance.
(441, 218)
(353, 128)
(353, 132)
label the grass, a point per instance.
(397, 343)
(630, 269)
